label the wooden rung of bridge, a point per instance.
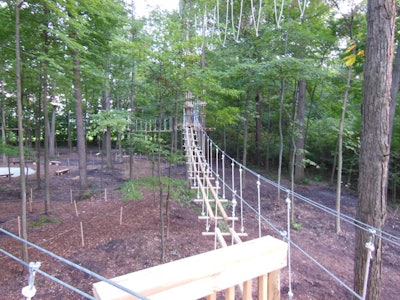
(201, 178)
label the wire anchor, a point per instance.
(370, 248)
(29, 291)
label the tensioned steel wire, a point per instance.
(286, 234)
(366, 227)
(69, 263)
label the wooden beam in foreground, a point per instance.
(204, 274)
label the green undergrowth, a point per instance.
(178, 189)
(44, 220)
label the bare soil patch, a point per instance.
(112, 248)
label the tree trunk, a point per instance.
(375, 142)
(3, 122)
(107, 135)
(282, 98)
(340, 151)
(80, 129)
(22, 178)
(299, 133)
(258, 127)
(52, 133)
(395, 87)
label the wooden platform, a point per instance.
(62, 171)
(205, 274)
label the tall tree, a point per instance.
(375, 143)
(22, 177)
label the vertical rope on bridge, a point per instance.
(210, 163)
(234, 203)
(233, 177)
(215, 225)
(288, 208)
(241, 198)
(259, 205)
(223, 175)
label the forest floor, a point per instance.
(121, 237)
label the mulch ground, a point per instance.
(120, 237)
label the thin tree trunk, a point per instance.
(258, 127)
(375, 143)
(299, 133)
(340, 151)
(80, 129)
(3, 121)
(282, 98)
(22, 179)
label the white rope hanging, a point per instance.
(302, 6)
(278, 16)
(240, 19)
(256, 23)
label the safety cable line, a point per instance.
(283, 233)
(49, 276)
(366, 227)
(74, 265)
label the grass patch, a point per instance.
(43, 220)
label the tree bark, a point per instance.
(22, 178)
(299, 133)
(340, 151)
(80, 129)
(375, 142)
(258, 127)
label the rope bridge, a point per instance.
(214, 205)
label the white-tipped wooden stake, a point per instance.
(70, 195)
(83, 239)
(19, 226)
(120, 216)
(30, 202)
(76, 208)
(105, 194)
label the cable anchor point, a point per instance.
(29, 291)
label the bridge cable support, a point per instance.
(30, 290)
(370, 248)
(288, 208)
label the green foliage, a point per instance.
(296, 226)
(44, 220)
(130, 191)
(178, 189)
(116, 120)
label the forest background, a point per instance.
(282, 82)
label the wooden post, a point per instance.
(274, 291)
(83, 240)
(263, 287)
(120, 216)
(19, 226)
(247, 290)
(76, 208)
(70, 194)
(105, 194)
(230, 293)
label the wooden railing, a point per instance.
(206, 274)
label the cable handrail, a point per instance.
(72, 264)
(361, 225)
